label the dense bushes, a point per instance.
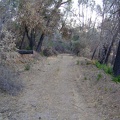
(49, 52)
(77, 47)
(73, 47)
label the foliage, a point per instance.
(116, 79)
(62, 47)
(36, 14)
(49, 52)
(77, 47)
(39, 18)
(107, 69)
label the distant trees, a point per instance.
(116, 67)
(39, 18)
(7, 13)
(30, 21)
(116, 29)
(109, 35)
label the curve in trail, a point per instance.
(51, 93)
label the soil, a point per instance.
(63, 87)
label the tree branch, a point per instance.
(65, 2)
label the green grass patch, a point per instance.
(107, 69)
(116, 79)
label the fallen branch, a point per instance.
(25, 51)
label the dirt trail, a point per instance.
(51, 94)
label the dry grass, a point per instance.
(100, 91)
(9, 81)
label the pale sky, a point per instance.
(94, 15)
(98, 2)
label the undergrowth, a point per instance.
(10, 81)
(116, 79)
(108, 70)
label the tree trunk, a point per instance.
(94, 52)
(113, 39)
(59, 3)
(116, 67)
(34, 37)
(110, 47)
(99, 38)
(22, 41)
(30, 38)
(40, 43)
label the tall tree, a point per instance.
(41, 17)
(116, 68)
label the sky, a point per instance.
(98, 2)
(94, 15)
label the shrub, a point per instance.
(49, 52)
(27, 67)
(9, 81)
(77, 47)
(62, 47)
